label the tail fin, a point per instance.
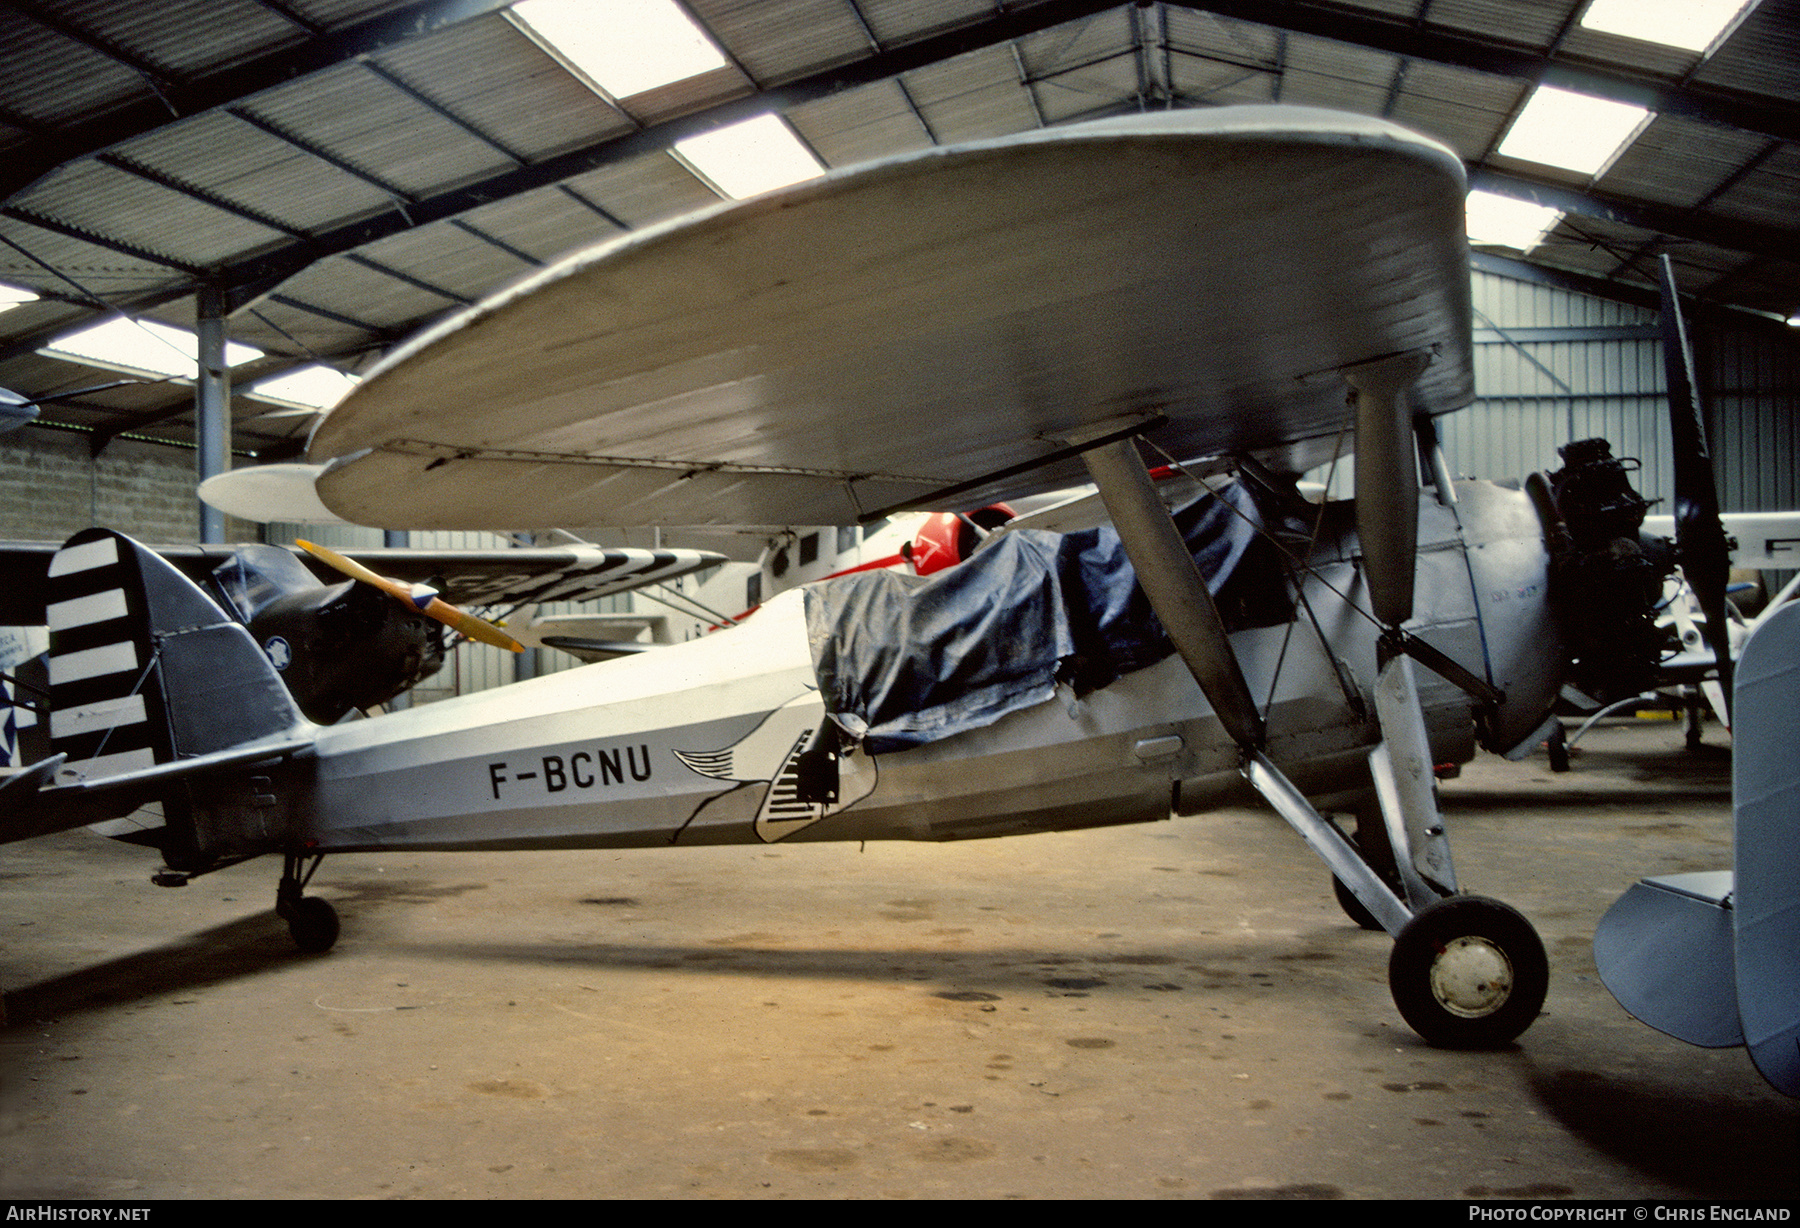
(145, 669)
(1765, 791)
(155, 695)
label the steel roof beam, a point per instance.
(155, 76)
(1730, 234)
(660, 137)
(338, 317)
(72, 231)
(27, 163)
(151, 175)
(1403, 37)
(1635, 295)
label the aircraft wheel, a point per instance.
(313, 924)
(1468, 973)
(1353, 907)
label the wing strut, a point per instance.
(1387, 522)
(1465, 971)
(1178, 593)
(1387, 482)
(1176, 589)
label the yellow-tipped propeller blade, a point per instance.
(457, 620)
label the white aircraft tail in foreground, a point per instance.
(1713, 958)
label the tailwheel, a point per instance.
(312, 922)
(1468, 973)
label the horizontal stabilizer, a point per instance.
(32, 803)
(1664, 950)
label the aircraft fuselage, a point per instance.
(705, 742)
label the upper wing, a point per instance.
(932, 320)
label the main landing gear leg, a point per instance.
(1466, 972)
(312, 922)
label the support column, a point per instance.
(212, 405)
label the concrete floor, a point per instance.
(1175, 1010)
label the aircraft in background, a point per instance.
(776, 558)
(341, 646)
(1258, 286)
(1760, 542)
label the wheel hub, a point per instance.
(1471, 977)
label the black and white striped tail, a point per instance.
(107, 709)
(145, 668)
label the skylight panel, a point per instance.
(755, 155)
(1692, 25)
(142, 347)
(1503, 221)
(310, 387)
(1574, 131)
(624, 46)
(12, 296)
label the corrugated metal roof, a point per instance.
(348, 170)
(859, 125)
(773, 42)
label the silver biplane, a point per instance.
(1264, 288)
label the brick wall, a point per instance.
(49, 489)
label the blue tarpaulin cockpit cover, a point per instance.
(903, 660)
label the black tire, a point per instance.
(1353, 907)
(1468, 973)
(313, 923)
